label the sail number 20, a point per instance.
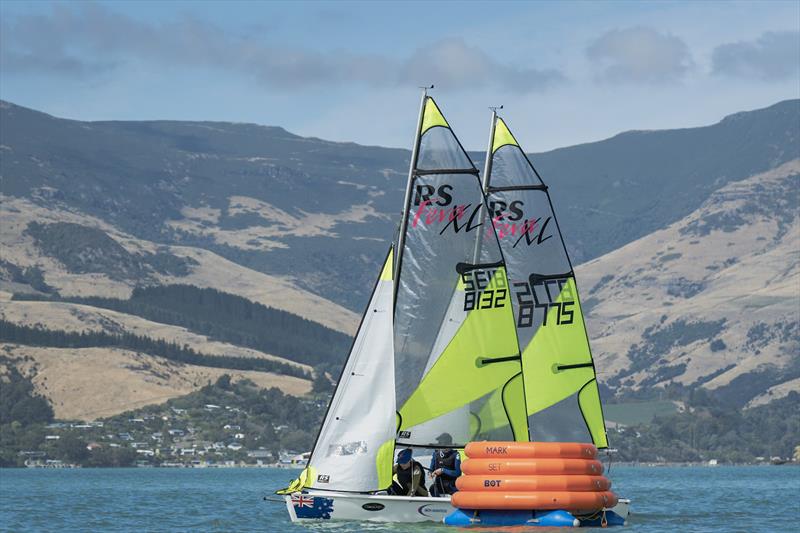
(484, 289)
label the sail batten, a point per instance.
(561, 391)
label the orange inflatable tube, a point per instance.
(579, 483)
(548, 500)
(524, 467)
(530, 450)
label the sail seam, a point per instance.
(541, 187)
(463, 268)
(546, 277)
(419, 172)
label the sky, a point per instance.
(566, 72)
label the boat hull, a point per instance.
(319, 505)
(325, 505)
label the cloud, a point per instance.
(453, 63)
(639, 55)
(773, 56)
(87, 40)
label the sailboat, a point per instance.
(449, 342)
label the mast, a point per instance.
(409, 184)
(487, 165)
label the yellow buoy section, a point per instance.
(532, 476)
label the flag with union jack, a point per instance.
(300, 500)
(306, 506)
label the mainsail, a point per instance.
(561, 391)
(457, 364)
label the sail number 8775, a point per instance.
(536, 300)
(484, 289)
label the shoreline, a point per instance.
(626, 464)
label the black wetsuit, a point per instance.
(404, 483)
(449, 462)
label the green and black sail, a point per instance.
(457, 364)
(561, 391)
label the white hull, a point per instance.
(366, 507)
(325, 505)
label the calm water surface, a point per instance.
(723, 499)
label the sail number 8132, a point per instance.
(484, 289)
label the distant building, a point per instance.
(33, 453)
(259, 454)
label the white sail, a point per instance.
(354, 450)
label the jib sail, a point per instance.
(559, 377)
(355, 446)
(457, 364)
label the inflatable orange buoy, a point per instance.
(590, 467)
(500, 483)
(530, 450)
(544, 500)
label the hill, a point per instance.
(690, 237)
(711, 301)
(258, 195)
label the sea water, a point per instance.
(664, 499)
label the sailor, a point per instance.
(445, 467)
(409, 477)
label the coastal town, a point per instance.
(176, 447)
(225, 424)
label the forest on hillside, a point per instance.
(37, 336)
(228, 318)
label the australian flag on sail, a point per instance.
(312, 507)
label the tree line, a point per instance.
(229, 318)
(37, 336)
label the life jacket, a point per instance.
(405, 475)
(446, 459)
